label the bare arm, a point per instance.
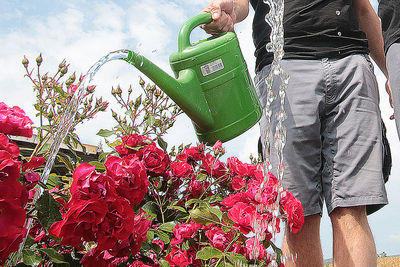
(225, 14)
(369, 23)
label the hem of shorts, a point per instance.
(357, 201)
(312, 211)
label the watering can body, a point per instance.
(212, 86)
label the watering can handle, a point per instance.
(187, 28)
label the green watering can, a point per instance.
(212, 86)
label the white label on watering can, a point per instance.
(212, 67)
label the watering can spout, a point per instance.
(185, 91)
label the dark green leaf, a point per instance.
(209, 253)
(150, 236)
(48, 210)
(66, 162)
(162, 143)
(192, 201)
(54, 255)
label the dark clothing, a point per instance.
(389, 12)
(313, 29)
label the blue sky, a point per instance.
(84, 31)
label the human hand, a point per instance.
(389, 92)
(223, 16)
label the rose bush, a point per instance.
(142, 204)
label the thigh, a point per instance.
(302, 150)
(393, 66)
(352, 134)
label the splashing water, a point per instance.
(62, 130)
(275, 20)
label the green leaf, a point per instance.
(151, 209)
(177, 208)
(215, 210)
(99, 166)
(204, 215)
(168, 226)
(53, 255)
(201, 177)
(193, 201)
(66, 162)
(164, 263)
(30, 258)
(150, 120)
(150, 236)
(163, 236)
(48, 210)
(103, 155)
(105, 133)
(209, 253)
(185, 245)
(162, 143)
(237, 259)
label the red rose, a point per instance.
(8, 146)
(184, 231)
(178, 257)
(130, 177)
(31, 178)
(196, 188)
(190, 154)
(238, 182)
(88, 184)
(14, 122)
(213, 166)
(181, 169)
(255, 248)
(218, 238)
(232, 199)
(242, 215)
(12, 219)
(133, 144)
(155, 159)
(81, 222)
(293, 210)
(237, 167)
(33, 163)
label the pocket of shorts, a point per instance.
(369, 62)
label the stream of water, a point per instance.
(62, 130)
(275, 20)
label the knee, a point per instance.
(348, 214)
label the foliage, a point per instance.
(141, 204)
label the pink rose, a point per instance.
(237, 167)
(133, 144)
(8, 146)
(293, 210)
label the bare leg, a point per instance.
(305, 245)
(353, 243)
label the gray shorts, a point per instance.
(393, 66)
(333, 151)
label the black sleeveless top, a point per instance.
(389, 12)
(313, 29)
